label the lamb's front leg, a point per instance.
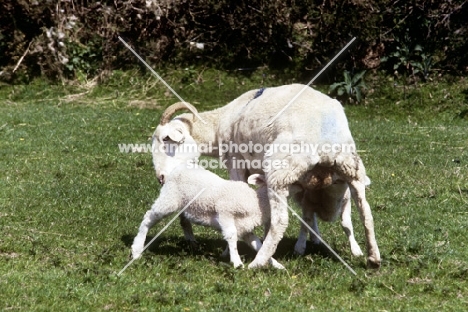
(152, 216)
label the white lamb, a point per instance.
(328, 176)
(231, 207)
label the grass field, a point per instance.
(71, 203)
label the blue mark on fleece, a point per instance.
(259, 92)
(329, 127)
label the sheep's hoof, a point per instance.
(373, 264)
(256, 265)
(278, 265)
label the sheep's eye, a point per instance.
(166, 138)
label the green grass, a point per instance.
(71, 203)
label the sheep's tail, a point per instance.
(349, 165)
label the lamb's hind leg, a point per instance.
(347, 224)
(311, 219)
(254, 242)
(188, 232)
(229, 231)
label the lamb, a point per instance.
(328, 176)
(219, 206)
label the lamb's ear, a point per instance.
(367, 181)
(256, 179)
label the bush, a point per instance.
(60, 39)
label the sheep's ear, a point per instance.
(367, 181)
(174, 134)
(256, 179)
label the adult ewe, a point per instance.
(324, 171)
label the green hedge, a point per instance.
(64, 38)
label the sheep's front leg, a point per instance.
(151, 217)
(358, 192)
(278, 225)
(347, 225)
(254, 242)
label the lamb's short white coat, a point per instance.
(231, 207)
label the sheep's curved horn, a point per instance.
(166, 116)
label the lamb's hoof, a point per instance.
(225, 253)
(299, 249)
(238, 265)
(136, 256)
(194, 245)
(136, 253)
(373, 264)
(356, 251)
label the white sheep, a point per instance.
(231, 207)
(328, 177)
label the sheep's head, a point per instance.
(173, 144)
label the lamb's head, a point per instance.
(173, 144)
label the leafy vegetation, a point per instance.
(65, 39)
(71, 202)
(351, 89)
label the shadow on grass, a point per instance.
(214, 247)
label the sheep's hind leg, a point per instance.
(254, 242)
(278, 225)
(347, 225)
(358, 193)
